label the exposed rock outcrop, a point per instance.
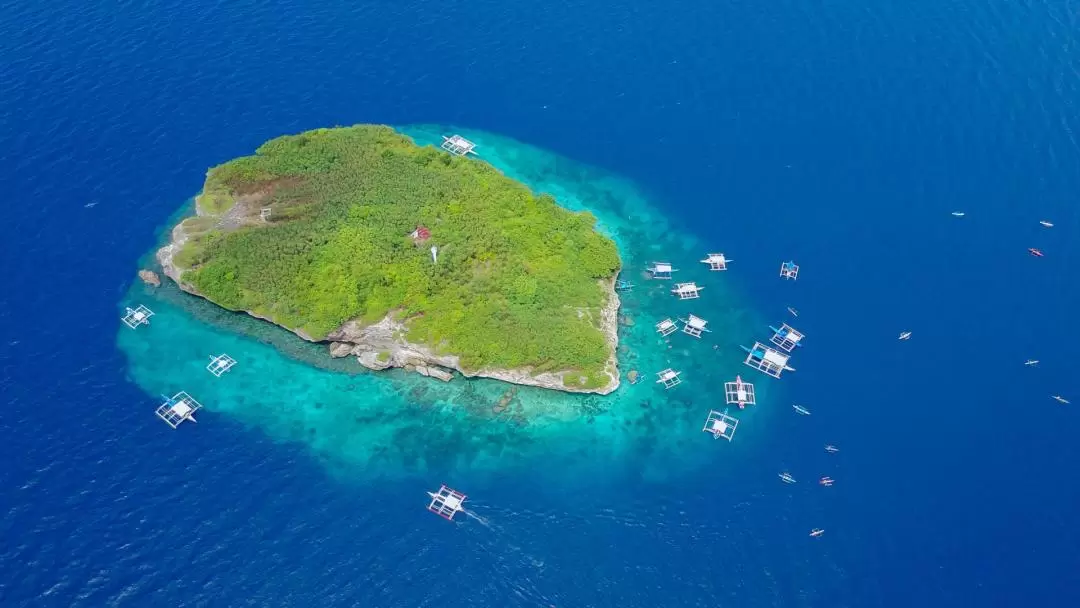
(383, 345)
(150, 278)
(340, 349)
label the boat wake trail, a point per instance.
(514, 567)
(478, 518)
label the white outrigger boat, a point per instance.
(800, 409)
(832, 449)
(1046, 223)
(766, 360)
(793, 312)
(1031, 362)
(446, 503)
(905, 335)
(958, 214)
(1059, 399)
(787, 478)
(740, 393)
(816, 532)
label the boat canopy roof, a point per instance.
(775, 358)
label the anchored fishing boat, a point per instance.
(716, 261)
(786, 337)
(720, 425)
(766, 360)
(739, 393)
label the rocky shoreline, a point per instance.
(383, 345)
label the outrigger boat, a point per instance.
(826, 481)
(1046, 223)
(800, 409)
(786, 337)
(787, 478)
(816, 532)
(622, 285)
(789, 270)
(766, 360)
(905, 335)
(1059, 399)
(1035, 252)
(958, 214)
(446, 503)
(793, 312)
(832, 449)
(178, 409)
(1031, 362)
(743, 395)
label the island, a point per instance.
(405, 256)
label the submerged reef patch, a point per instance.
(394, 424)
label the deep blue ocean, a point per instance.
(839, 133)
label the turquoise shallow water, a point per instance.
(841, 134)
(395, 424)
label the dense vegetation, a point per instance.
(517, 281)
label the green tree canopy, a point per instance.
(519, 279)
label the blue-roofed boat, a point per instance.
(767, 360)
(789, 270)
(786, 337)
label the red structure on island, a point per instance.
(421, 234)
